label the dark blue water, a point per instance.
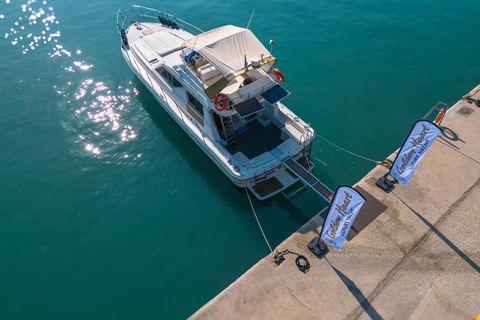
(109, 210)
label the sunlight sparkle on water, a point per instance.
(90, 147)
(101, 107)
(82, 66)
(29, 24)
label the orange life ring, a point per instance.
(279, 75)
(225, 102)
(440, 115)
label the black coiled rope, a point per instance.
(304, 266)
(301, 262)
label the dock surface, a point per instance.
(419, 259)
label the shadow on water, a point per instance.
(175, 135)
(362, 300)
(295, 213)
(442, 236)
(220, 186)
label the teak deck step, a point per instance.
(309, 179)
(268, 186)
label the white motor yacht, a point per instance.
(221, 87)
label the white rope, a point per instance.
(250, 18)
(377, 162)
(251, 205)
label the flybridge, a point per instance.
(228, 48)
(225, 53)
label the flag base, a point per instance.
(384, 183)
(317, 246)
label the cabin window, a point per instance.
(195, 103)
(171, 79)
(195, 108)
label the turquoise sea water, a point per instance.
(109, 211)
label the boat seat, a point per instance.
(263, 158)
(241, 158)
(256, 87)
(286, 146)
(207, 72)
(290, 131)
(277, 153)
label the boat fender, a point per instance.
(224, 99)
(123, 36)
(279, 75)
(440, 115)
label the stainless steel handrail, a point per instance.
(439, 121)
(145, 12)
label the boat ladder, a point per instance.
(227, 123)
(260, 180)
(309, 179)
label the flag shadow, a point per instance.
(362, 300)
(443, 237)
(448, 136)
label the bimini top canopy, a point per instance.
(227, 47)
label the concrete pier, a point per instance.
(420, 259)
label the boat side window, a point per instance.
(195, 103)
(171, 79)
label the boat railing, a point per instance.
(254, 165)
(124, 16)
(297, 123)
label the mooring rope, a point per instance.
(326, 170)
(253, 209)
(302, 263)
(377, 162)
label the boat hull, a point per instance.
(265, 168)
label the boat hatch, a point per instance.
(145, 51)
(275, 94)
(248, 107)
(163, 42)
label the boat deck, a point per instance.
(256, 139)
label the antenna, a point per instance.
(250, 18)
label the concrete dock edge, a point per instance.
(420, 259)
